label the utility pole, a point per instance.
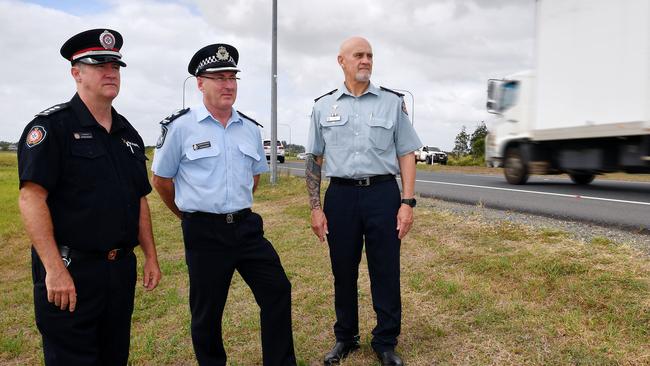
(274, 96)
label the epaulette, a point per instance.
(328, 93)
(173, 116)
(391, 91)
(53, 109)
(250, 119)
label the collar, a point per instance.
(86, 118)
(343, 90)
(202, 114)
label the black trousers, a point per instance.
(356, 215)
(214, 249)
(98, 331)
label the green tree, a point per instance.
(461, 144)
(477, 141)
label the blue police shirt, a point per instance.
(212, 166)
(361, 136)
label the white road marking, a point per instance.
(522, 191)
(536, 192)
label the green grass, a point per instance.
(473, 292)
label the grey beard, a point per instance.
(362, 77)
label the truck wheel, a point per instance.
(281, 158)
(515, 168)
(429, 160)
(582, 179)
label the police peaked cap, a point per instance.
(214, 58)
(94, 47)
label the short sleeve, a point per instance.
(260, 166)
(315, 141)
(39, 154)
(168, 152)
(406, 139)
(145, 186)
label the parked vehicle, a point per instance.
(279, 151)
(302, 156)
(430, 155)
(585, 109)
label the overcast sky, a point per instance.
(442, 51)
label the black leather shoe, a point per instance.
(389, 358)
(340, 351)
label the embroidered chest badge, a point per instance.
(334, 116)
(130, 145)
(35, 136)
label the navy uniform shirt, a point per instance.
(212, 166)
(94, 179)
(361, 136)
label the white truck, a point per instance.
(431, 155)
(585, 109)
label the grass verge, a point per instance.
(473, 292)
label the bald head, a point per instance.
(355, 58)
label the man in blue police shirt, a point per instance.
(83, 188)
(206, 167)
(365, 137)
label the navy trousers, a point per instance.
(98, 332)
(214, 249)
(358, 215)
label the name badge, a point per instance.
(201, 145)
(82, 135)
(333, 118)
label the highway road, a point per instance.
(619, 204)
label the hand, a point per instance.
(60, 289)
(404, 220)
(151, 274)
(319, 223)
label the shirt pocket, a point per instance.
(249, 152)
(381, 133)
(334, 132)
(87, 164)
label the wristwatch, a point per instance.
(409, 201)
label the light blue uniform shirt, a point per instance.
(361, 136)
(212, 166)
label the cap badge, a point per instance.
(107, 39)
(222, 54)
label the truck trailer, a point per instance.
(585, 108)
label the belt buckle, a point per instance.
(230, 218)
(363, 182)
(112, 254)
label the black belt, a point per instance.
(228, 218)
(362, 182)
(68, 254)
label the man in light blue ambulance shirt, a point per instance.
(206, 167)
(363, 135)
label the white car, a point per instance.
(302, 156)
(279, 151)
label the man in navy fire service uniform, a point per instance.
(206, 167)
(83, 187)
(365, 137)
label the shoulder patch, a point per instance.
(250, 119)
(53, 109)
(328, 93)
(35, 136)
(391, 91)
(173, 116)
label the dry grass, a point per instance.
(474, 293)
